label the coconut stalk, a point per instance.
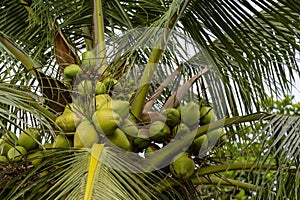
(99, 35)
(200, 176)
(230, 121)
(88, 41)
(212, 180)
(140, 97)
(142, 91)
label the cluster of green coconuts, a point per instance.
(111, 123)
(27, 147)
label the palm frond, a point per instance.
(21, 110)
(67, 173)
(247, 45)
(280, 146)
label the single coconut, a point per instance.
(29, 138)
(72, 70)
(70, 109)
(110, 82)
(35, 158)
(100, 88)
(190, 114)
(86, 134)
(106, 121)
(3, 159)
(67, 122)
(61, 142)
(159, 131)
(7, 141)
(207, 115)
(180, 129)
(16, 153)
(119, 139)
(172, 116)
(88, 59)
(4, 147)
(198, 144)
(183, 166)
(102, 101)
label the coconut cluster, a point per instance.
(27, 147)
(107, 120)
(111, 122)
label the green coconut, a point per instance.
(198, 143)
(4, 147)
(16, 153)
(190, 114)
(35, 158)
(102, 101)
(183, 166)
(100, 88)
(29, 138)
(85, 135)
(61, 142)
(7, 141)
(142, 140)
(172, 116)
(207, 115)
(106, 121)
(72, 70)
(181, 129)
(110, 82)
(88, 59)
(159, 131)
(119, 139)
(3, 159)
(68, 108)
(67, 122)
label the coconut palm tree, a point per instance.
(191, 56)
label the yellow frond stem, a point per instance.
(95, 163)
